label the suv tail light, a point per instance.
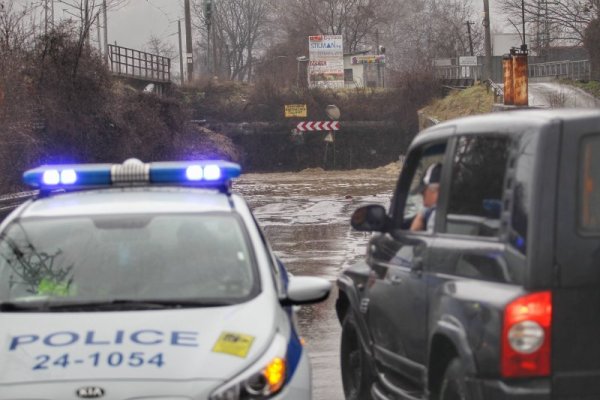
(526, 341)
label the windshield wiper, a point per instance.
(115, 304)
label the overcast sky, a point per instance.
(132, 25)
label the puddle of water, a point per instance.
(306, 217)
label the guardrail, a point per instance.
(457, 72)
(575, 70)
(9, 202)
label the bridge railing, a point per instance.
(138, 64)
(456, 72)
(575, 70)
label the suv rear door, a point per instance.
(576, 300)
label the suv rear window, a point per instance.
(589, 187)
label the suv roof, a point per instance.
(506, 122)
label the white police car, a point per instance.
(146, 281)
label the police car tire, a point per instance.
(453, 384)
(357, 379)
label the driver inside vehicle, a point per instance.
(429, 190)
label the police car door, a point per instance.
(397, 307)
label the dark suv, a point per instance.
(501, 299)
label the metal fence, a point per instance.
(576, 70)
(138, 64)
(9, 202)
(456, 72)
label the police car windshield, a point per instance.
(199, 259)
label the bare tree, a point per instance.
(86, 13)
(356, 20)
(15, 25)
(236, 26)
(412, 31)
(431, 29)
(157, 45)
(552, 22)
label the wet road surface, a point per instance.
(306, 217)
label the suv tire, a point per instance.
(357, 377)
(453, 384)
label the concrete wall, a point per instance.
(358, 144)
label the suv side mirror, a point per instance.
(306, 290)
(370, 218)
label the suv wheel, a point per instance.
(357, 377)
(453, 384)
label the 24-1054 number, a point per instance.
(113, 359)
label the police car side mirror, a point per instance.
(370, 218)
(306, 290)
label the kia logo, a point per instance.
(90, 392)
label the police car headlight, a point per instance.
(261, 380)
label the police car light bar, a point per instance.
(212, 173)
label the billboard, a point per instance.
(326, 61)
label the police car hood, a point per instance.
(182, 344)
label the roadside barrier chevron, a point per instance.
(311, 126)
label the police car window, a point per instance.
(205, 258)
(589, 186)
(476, 188)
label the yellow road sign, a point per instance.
(296, 111)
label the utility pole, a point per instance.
(524, 46)
(105, 20)
(45, 17)
(87, 23)
(488, 41)
(188, 41)
(208, 22)
(378, 66)
(180, 51)
(546, 27)
(98, 33)
(469, 23)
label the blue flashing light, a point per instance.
(68, 176)
(51, 177)
(212, 172)
(196, 173)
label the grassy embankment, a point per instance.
(459, 103)
(591, 87)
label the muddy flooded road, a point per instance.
(306, 217)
